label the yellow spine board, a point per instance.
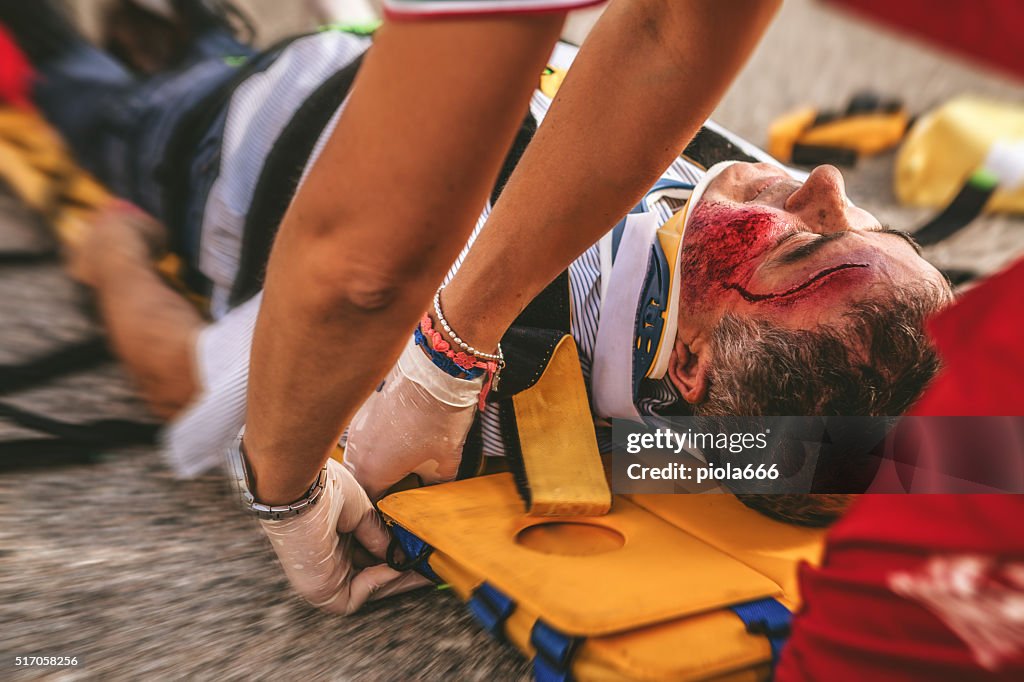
(653, 608)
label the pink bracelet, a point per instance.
(462, 359)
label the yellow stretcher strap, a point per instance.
(556, 433)
(35, 163)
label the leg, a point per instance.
(152, 328)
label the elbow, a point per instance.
(672, 25)
(371, 294)
(367, 285)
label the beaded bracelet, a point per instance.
(499, 357)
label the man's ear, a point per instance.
(688, 370)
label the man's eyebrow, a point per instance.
(906, 236)
(809, 249)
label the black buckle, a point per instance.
(408, 564)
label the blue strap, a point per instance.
(543, 671)
(555, 650)
(491, 608)
(769, 618)
(620, 227)
(654, 298)
(442, 361)
(416, 553)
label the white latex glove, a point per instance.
(317, 549)
(416, 422)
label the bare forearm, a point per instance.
(378, 221)
(645, 80)
(153, 330)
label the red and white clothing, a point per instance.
(930, 587)
(915, 587)
(15, 73)
(424, 9)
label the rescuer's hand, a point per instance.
(415, 423)
(317, 549)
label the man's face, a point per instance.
(763, 244)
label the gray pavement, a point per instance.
(145, 577)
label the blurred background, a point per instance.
(107, 558)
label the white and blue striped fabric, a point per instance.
(258, 111)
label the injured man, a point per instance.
(735, 287)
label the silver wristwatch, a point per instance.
(238, 469)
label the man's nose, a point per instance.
(821, 201)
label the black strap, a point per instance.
(550, 309)
(514, 451)
(29, 257)
(709, 147)
(42, 452)
(965, 207)
(68, 441)
(280, 178)
(75, 357)
(102, 433)
(472, 460)
(528, 351)
(522, 140)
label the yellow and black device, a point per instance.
(868, 125)
(595, 586)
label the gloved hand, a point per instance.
(317, 549)
(416, 422)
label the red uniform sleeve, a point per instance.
(15, 73)
(426, 9)
(930, 587)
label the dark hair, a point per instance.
(875, 363)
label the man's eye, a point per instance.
(800, 246)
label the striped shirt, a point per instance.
(259, 110)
